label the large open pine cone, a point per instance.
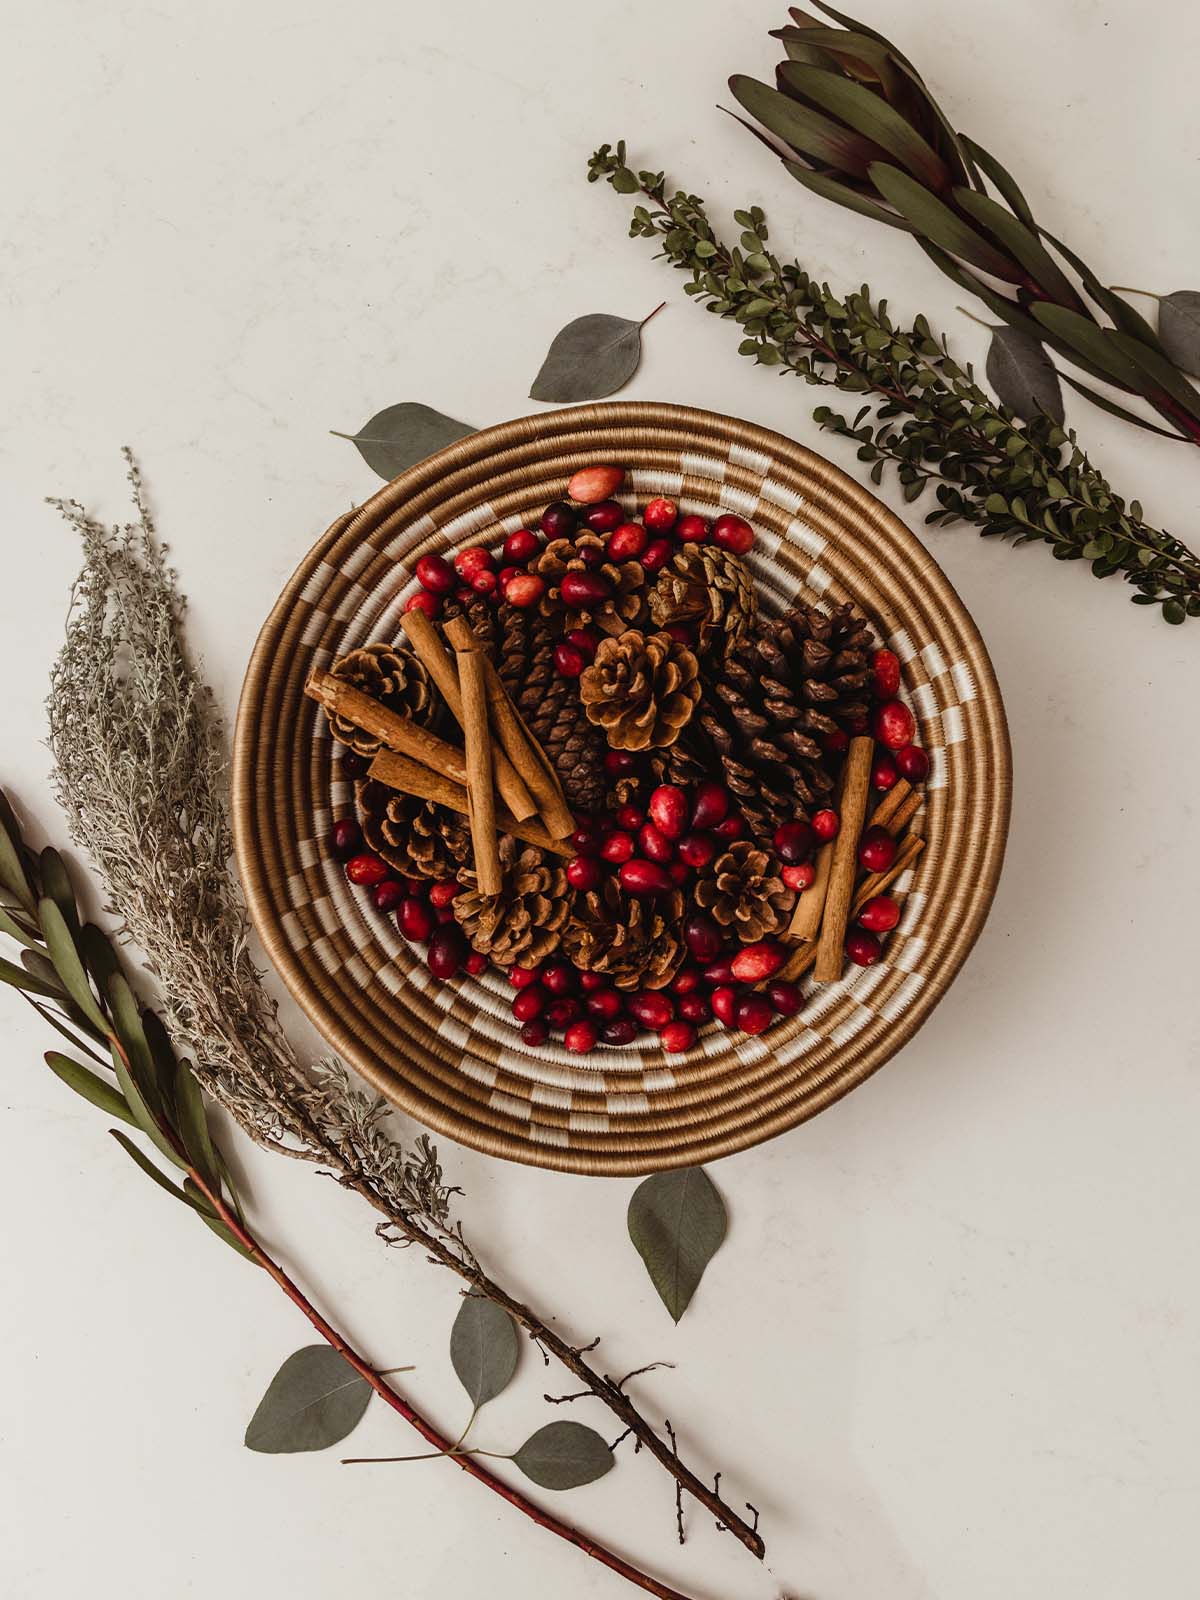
(391, 674)
(415, 837)
(522, 924)
(745, 893)
(625, 607)
(709, 587)
(641, 690)
(637, 943)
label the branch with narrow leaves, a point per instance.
(929, 419)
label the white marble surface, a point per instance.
(950, 1347)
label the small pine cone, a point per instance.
(641, 690)
(625, 609)
(550, 704)
(638, 944)
(415, 837)
(711, 588)
(745, 893)
(391, 674)
(481, 614)
(521, 925)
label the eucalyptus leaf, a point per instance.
(677, 1222)
(314, 1400)
(399, 436)
(937, 222)
(86, 1083)
(1179, 328)
(591, 357)
(564, 1455)
(1022, 375)
(483, 1348)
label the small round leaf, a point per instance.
(1022, 375)
(564, 1455)
(677, 1221)
(314, 1400)
(483, 1348)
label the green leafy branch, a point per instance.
(928, 418)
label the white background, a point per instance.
(950, 1347)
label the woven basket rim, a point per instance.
(757, 1123)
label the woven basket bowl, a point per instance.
(450, 1054)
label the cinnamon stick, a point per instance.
(830, 946)
(481, 797)
(410, 777)
(801, 960)
(423, 637)
(891, 803)
(903, 815)
(398, 733)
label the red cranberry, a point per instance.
(652, 1008)
(864, 949)
(584, 588)
(618, 763)
(629, 816)
(679, 871)
(622, 1030)
(485, 582)
(590, 554)
(521, 546)
(505, 576)
(581, 1037)
(535, 1033)
(753, 1013)
(660, 515)
(604, 1004)
(879, 915)
(643, 878)
(444, 914)
(654, 844)
(529, 1003)
(733, 534)
(724, 1001)
(913, 763)
(447, 950)
(345, 839)
(414, 919)
(825, 824)
(677, 1037)
(618, 847)
(354, 765)
(464, 594)
(472, 560)
(732, 827)
(719, 972)
(366, 870)
(417, 887)
(876, 850)
(435, 574)
(703, 936)
(697, 849)
(691, 529)
(710, 804)
(687, 980)
(627, 542)
(521, 977)
(568, 662)
(836, 741)
(656, 554)
(885, 674)
(785, 997)
(669, 810)
(441, 894)
(884, 771)
(682, 633)
(893, 724)
(795, 841)
(559, 1013)
(525, 590)
(589, 982)
(388, 895)
(695, 1008)
(592, 484)
(754, 962)
(586, 839)
(476, 963)
(604, 517)
(585, 641)
(424, 601)
(583, 873)
(559, 520)
(799, 878)
(558, 977)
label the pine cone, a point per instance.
(744, 892)
(638, 944)
(710, 587)
(641, 690)
(415, 837)
(391, 674)
(522, 924)
(550, 704)
(624, 609)
(481, 614)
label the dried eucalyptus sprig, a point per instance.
(140, 774)
(1020, 480)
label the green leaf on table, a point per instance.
(1161, 371)
(841, 194)
(193, 1127)
(12, 871)
(677, 1221)
(314, 1400)
(26, 981)
(57, 884)
(86, 1083)
(1097, 345)
(483, 1348)
(61, 944)
(935, 220)
(564, 1455)
(1003, 180)
(864, 111)
(1021, 242)
(806, 131)
(591, 357)
(1022, 375)
(1179, 328)
(399, 436)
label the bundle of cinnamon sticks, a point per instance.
(500, 779)
(825, 908)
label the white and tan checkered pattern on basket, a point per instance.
(450, 1054)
